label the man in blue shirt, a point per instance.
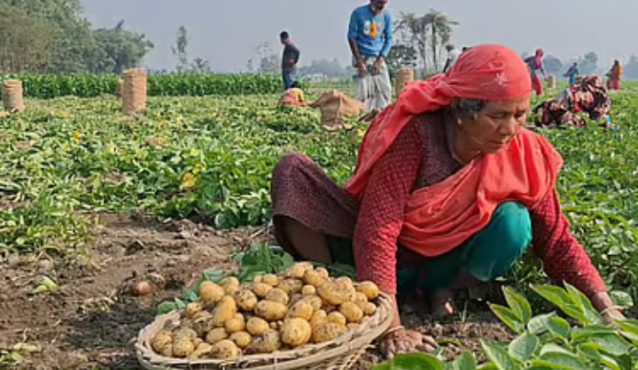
(370, 39)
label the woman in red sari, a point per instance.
(448, 187)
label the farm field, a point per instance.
(95, 201)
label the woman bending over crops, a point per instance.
(293, 96)
(535, 63)
(449, 189)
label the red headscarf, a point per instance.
(441, 216)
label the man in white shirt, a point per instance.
(452, 56)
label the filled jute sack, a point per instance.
(335, 106)
(404, 75)
(133, 91)
(12, 96)
(551, 82)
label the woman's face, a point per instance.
(493, 128)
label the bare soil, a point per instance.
(92, 319)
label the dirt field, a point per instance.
(92, 319)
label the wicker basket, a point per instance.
(339, 354)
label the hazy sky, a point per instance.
(226, 32)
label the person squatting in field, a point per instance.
(589, 96)
(293, 96)
(370, 40)
(448, 191)
(289, 60)
(572, 73)
(535, 63)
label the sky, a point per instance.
(226, 32)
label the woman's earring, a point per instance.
(459, 122)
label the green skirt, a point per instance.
(486, 255)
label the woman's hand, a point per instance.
(401, 340)
(605, 305)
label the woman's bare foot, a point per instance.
(442, 303)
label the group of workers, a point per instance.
(461, 136)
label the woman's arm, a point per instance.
(381, 211)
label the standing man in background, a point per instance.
(289, 60)
(370, 40)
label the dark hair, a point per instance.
(284, 35)
(295, 85)
(462, 107)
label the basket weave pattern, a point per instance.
(339, 354)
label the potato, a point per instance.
(216, 335)
(270, 279)
(318, 318)
(225, 350)
(246, 300)
(302, 310)
(370, 289)
(167, 350)
(314, 301)
(241, 338)
(268, 342)
(187, 333)
(261, 289)
(332, 293)
(203, 325)
(296, 332)
(200, 315)
(277, 295)
(295, 298)
(309, 290)
(235, 324)
(258, 279)
(162, 338)
(271, 311)
(323, 272)
(344, 281)
(230, 280)
(201, 351)
(291, 286)
(328, 307)
(182, 347)
(313, 278)
(298, 270)
(360, 299)
(225, 309)
(210, 292)
(192, 309)
(328, 332)
(351, 311)
(368, 309)
(337, 318)
(257, 326)
(197, 342)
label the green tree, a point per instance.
(118, 49)
(180, 49)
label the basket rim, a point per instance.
(353, 340)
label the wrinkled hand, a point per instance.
(406, 341)
(362, 69)
(376, 67)
(611, 314)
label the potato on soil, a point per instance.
(309, 290)
(182, 347)
(201, 350)
(291, 286)
(313, 278)
(320, 317)
(369, 308)
(328, 332)
(298, 270)
(270, 279)
(257, 326)
(192, 309)
(271, 311)
(246, 300)
(268, 342)
(370, 289)
(162, 338)
(241, 338)
(235, 324)
(277, 295)
(337, 318)
(296, 332)
(302, 310)
(225, 350)
(351, 311)
(225, 309)
(333, 293)
(261, 289)
(323, 272)
(216, 335)
(210, 292)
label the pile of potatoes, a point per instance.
(272, 313)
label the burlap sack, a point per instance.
(12, 96)
(551, 82)
(133, 91)
(334, 106)
(404, 75)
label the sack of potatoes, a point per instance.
(298, 307)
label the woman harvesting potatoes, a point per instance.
(449, 188)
